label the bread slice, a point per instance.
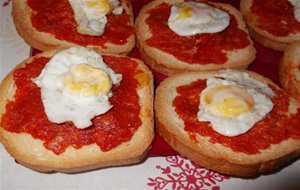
(217, 156)
(289, 69)
(45, 40)
(168, 64)
(32, 153)
(264, 36)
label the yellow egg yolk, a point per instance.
(104, 7)
(87, 80)
(185, 11)
(227, 100)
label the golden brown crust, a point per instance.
(215, 156)
(43, 41)
(289, 69)
(262, 36)
(169, 64)
(31, 152)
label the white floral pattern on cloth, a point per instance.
(184, 174)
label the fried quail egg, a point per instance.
(190, 18)
(76, 86)
(90, 15)
(233, 102)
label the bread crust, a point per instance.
(31, 153)
(289, 69)
(267, 39)
(44, 41)
(168, 64)
(215, 156)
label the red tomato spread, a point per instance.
(273, 129)
(197, 49)
(276, 17)
(57, 17)
(26, 113)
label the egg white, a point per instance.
(89, 19)
(296, 5)
(204, 19)
(62, 105)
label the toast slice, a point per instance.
(228, 155)
(169, 53)
(52, 26)
(276, 29)
(31, 151)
